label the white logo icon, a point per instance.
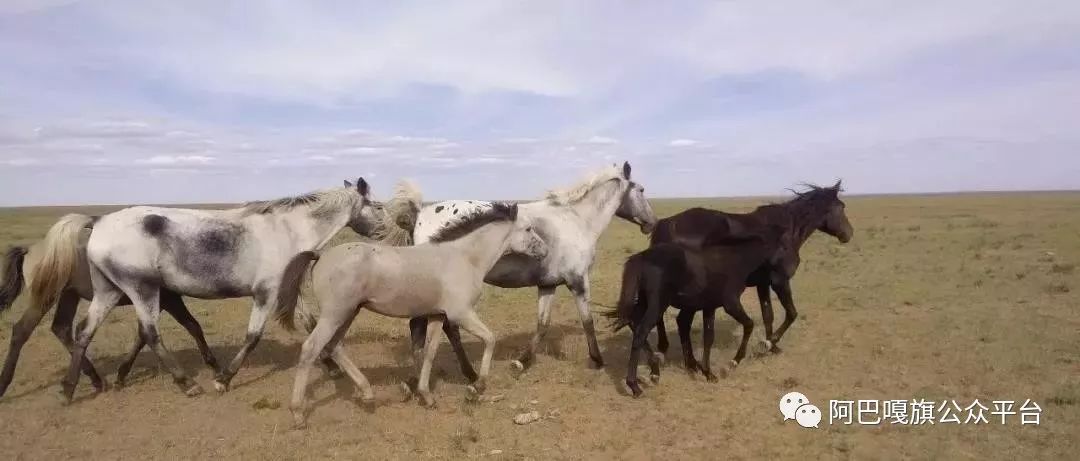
(808, 416)
(795, 405)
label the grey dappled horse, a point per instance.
(209, 254)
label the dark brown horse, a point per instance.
(818, 208)
(692, 280)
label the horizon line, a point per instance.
(703, 197)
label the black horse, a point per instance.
(692, 280)
(702, 259)
(818, 208)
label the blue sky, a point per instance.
(208, 101)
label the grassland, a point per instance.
(944, 297)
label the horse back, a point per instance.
(199, 252)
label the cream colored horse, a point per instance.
(441, 281)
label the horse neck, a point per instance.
(485, 245)
(312, 231)
(803, 225)
(599, 206)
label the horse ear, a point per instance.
(836, 187)
(362, 187)
(626, 170)
(513, 211)
(347, 183)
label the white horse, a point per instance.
(442, 279)
(66, 295)
(570, 221)
(208, 254)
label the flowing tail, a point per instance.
(12, 282)
(59, 259)
(624, 312)
(401, 213)
(289, 292)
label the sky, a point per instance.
(147, 101)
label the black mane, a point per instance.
(475, 220)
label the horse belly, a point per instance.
(515, 271)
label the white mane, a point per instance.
(575, 193)
(318, 201)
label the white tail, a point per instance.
(60, 256)
(401, 213)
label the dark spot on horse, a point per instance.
(154, 225)
(216, 242)
(439, 209)
(455, 210)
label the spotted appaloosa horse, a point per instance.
(570, 221)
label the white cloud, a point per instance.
(177, 160)
(601, 140)
(682, 142)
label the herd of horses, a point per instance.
(427, 263)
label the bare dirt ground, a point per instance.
(937, 297)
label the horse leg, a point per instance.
(661, 336)
(641, 334)
(783, 291)
(543, 319)
(338, 356)
(66, 308)
(734, 308)
(316, 342)
(106, 295)
(129, 360)
(766, 314)
(580, 289)
(708, 333)
(332, 369)
(146, 298)
(20, 333)
(174, 305)
(471, 323)
(431, 346)
(256, 324)
(417, 333)
(684, 321)
(453, 334)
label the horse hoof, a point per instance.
(517, 368)
(335, 373)
(101, 386)
(776, 349)
(655, 379)
(427, 401)
(711, 377)
(221, 387)
(597, 362)
(764, 347)
(194, 390)
(368, 403)
(299, 421)
(635, 389)
(118, 385)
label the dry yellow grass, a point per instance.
(937, 297)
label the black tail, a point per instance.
(624, 312)
(289, 290)
(12, 282)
